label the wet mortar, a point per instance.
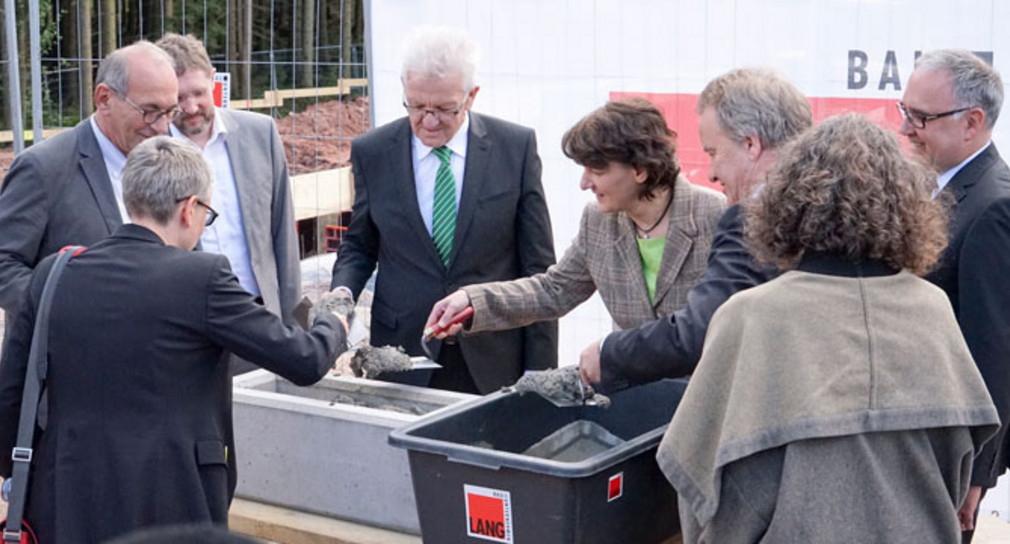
(370, 361)
(559, 385)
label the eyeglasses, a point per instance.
(440, 113)
(211, 212)
(919, 120)
(152, 116)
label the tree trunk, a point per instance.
(234, 50)
(87, 79)
(247, 39)
(347, 32)
(170, 22)
(308, 44)
(110, 28)
(5, 85)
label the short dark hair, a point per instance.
(845, 188)
(629, 131)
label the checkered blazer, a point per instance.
(604, 257)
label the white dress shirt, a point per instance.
(227, 235)
(426, 166)
(114, 163)
(945, 177)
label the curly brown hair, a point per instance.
(629, 131)
(846, 188)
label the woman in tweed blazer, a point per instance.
(643, 244)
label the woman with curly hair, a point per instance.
(838, 402)
(643, 244)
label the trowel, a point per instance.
(556, 386)
(436, 329)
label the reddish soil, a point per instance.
(317, 138)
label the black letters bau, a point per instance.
(490, 528)
(858, 62)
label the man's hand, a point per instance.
(589, 363)
(966, 514)
(338, 301)
(444, 310)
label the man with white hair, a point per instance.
(949, 108)
(446, 197)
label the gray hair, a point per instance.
(757, 101)
(976, 84)
(160, 172)
(438, 51)
(114, 70)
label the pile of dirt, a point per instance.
(317, 138)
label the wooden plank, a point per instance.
(287, 526)
(7, 136)
(321, 193)
(275, 99)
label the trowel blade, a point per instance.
(423, 363)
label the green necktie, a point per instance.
(443, 215)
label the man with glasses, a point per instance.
(257, 230)
(68, 189)
(446, 197)
(949, 108)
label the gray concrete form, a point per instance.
(296, 449)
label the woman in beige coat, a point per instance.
(643, 244)
(837, 403)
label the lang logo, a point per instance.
(488, 513)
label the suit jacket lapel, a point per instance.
(402, 174)
(679, 239)
(97, 175)
(253, 201)
(627, 251)
(475, 175)
(972, 172)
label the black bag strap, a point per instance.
(35, 377)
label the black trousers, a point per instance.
(454, 374)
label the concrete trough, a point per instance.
(309, 449)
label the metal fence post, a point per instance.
(14, 89)
(35, 44)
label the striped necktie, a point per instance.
(443, 216)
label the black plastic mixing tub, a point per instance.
(474, 483)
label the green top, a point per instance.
(651, 252)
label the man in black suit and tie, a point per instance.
(139, 428)
(443, 198)
(950, 106)
(68, 189)
(742, 147)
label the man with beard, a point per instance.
(252, 192)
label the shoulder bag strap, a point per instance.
(35, 376)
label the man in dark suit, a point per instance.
(444, 198)
(139, 428)
(950, 105)
(68, 189)
(742, 147)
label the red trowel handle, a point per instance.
(431, 331)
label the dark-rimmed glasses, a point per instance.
(152, 116)
(918, 120)
(211, 212)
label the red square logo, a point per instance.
(615, 487)
(488, 513)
